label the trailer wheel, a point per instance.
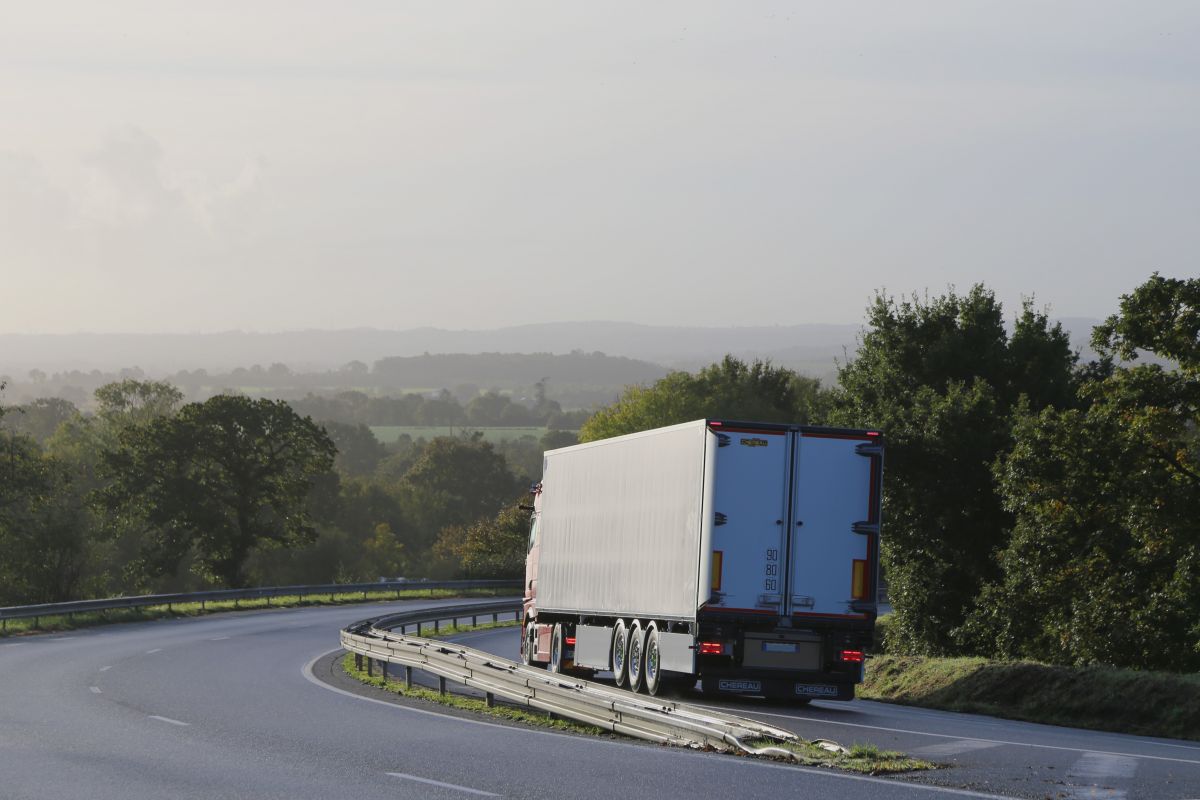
(620, 652)
(556, 649)
(528, 644)
(652, 664)
(637, 658)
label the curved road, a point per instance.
(227, 707)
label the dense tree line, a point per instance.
(578, 379)
(152, 494)
(1034, 506)
(444, 409)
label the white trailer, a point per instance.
(743, 554)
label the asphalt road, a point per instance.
(986, 754)
(228, 706)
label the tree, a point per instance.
(220, 478)
(939, 377)
(1104, 561)
(358, 451)
(43, 533)
(1161, 316)
(489, 548)
(42, 417)
(731, 389)
(456, 481)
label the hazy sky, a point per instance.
(181, 166)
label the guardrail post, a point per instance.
(489, 699)
(202, 604)
(475, 621)
(235, 602)
(435, 626)
(408, 677)
(383, 670)
(358, 661)
(441, 685)
(495, 618)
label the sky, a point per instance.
(193, 167)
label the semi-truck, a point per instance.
(743, 555)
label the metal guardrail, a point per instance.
(608, 708)
(35, 612)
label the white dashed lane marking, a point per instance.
(954, 748)
(1092, 775)
(168, 719)
(453, 786)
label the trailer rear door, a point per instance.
(750, 504)
(834, 526)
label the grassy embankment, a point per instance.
(864, 758)
(50, 623)
(1096, 697)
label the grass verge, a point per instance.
(1099, 698)
(864, 758)
(50, 623)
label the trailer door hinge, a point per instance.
(869, 449)
(865, 528)
(719, 518)
(723, 440)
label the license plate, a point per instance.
(779, 647)
(739, 686)
(816, 690)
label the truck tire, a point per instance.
(620, 652)
(637, 658)
(528, 645)
(556, 649)
(652, 675)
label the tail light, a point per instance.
(712, 648)
(851, 656)
(570, 641)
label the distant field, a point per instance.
(390, 433)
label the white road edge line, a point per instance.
(218, 638)
(172, 721)
(976, 738)
(105, 669)
(95, 690)
(453, 786)
(14, 644)
(310, 676)
(155, 650)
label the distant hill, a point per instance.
(811, 348)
